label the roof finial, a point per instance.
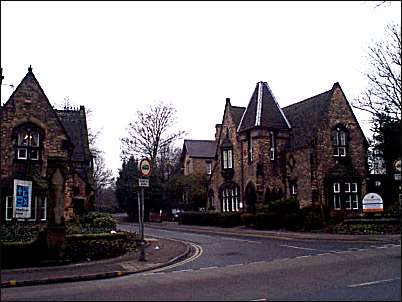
(30, 68)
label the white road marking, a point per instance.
(183, 270)
(234, 265)
(243, 240)
(209, 267)
(300, 248)
(374, 282)
(305, 256)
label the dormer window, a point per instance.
(227, 159)
(28, 142)
(339, 142)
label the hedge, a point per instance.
(211, 219)
(79, 247)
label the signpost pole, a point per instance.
(144, 168)
(141, 215)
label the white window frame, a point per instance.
(341, 151)
(230, 158)
(9, 201)
(337, 187)
(293, 189)
(354, 187)
(355, 202)
(348, 202)
(337, 202)
(224, 201)
(227, 158)
(43, 209)
(347, 187)
(339, 143)
(272, 154)
(37, 154)
(250, 149)
(209, 167)
(22, 157)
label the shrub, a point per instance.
(284, 206)
(95, 247)
(268, 220)
(393, 210)
(211, 219)
(15, 231)
(292, 221)
(104, 222)
(312, 218)
(247, 219)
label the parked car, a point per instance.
(176, 214)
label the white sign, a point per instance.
(372, 202)
(22, 198)
(397, 176)
(143, 182)
(145, 167)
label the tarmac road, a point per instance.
(244, 267)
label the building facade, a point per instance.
(197, 157)
(46, 166)
(313, 150)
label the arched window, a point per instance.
(28, 143)
(230, 196)
(339, 141)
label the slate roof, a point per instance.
(263, 111)
(74, 121)
(237, 113)
(200, 148)
(305, 117)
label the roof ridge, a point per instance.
(200, 140)
(297, 103)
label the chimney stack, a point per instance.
(218, 129)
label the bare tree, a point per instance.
(382, 98)
(103, 177)
(150, 133)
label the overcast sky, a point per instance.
(117, 57)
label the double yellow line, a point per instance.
(198, 251)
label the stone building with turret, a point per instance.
(314, 150)
(46, 171)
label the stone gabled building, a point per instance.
(314, 150)
(197, 157)
(47, 151)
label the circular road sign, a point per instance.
(397, 165)
(144, 167)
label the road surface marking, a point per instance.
(374, 282)
(234, 265)
(301, 248)
(183, 270)
(209, 267)
(305, 256)
(197, 254)
(243, 240)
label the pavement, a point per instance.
(159, 252)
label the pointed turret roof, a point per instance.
(263, 111)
